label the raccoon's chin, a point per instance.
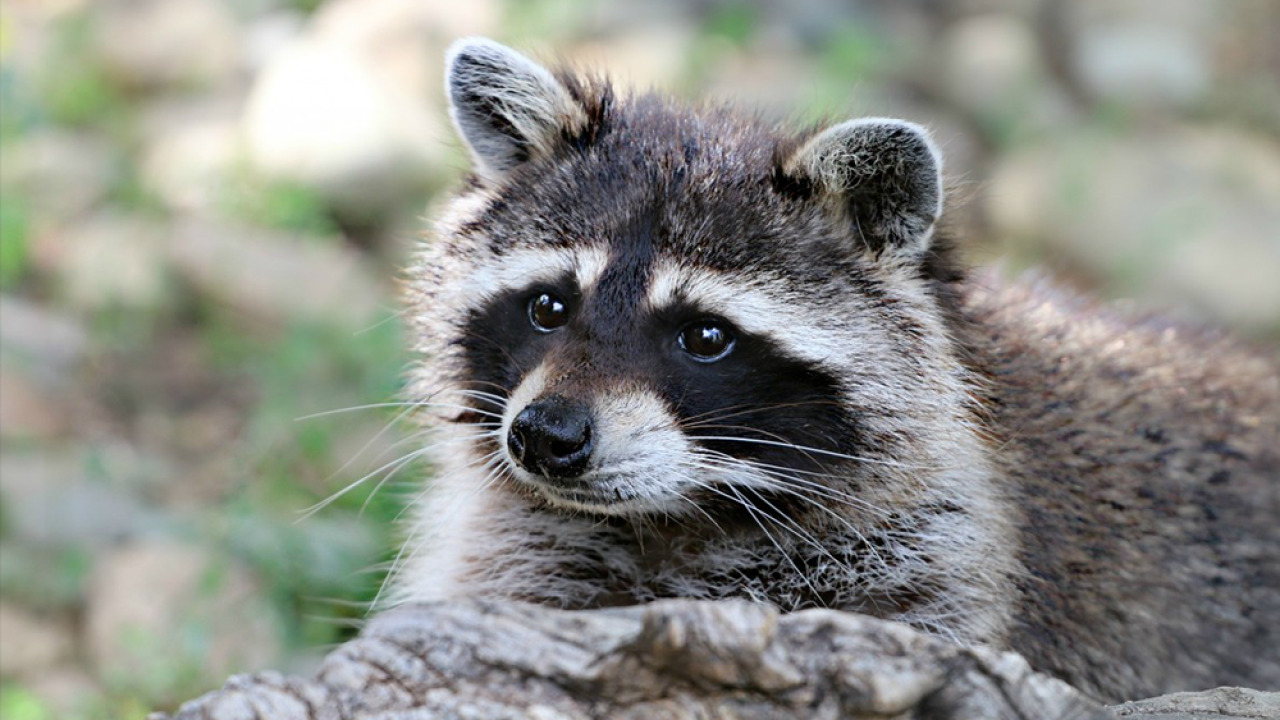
(596, 506)
(593, 497)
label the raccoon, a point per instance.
(674, 351)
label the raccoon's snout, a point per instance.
(552, 437)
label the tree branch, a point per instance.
(673, 660)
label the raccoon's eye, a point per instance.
(706, 341)
(547, 312)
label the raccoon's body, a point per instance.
(677, 352)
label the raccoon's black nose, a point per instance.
(552, 437)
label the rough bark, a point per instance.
(1225, 703)
(671, 660)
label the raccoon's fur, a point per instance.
(678, 352)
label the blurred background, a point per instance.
(204, 204)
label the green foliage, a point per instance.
(852, 53)
(544, 19)
(278, 204)
(305, 6)
(318, 569)
(161, 668)
(14, 241)
(121, 330)
(732, 21)
(847, 59)
(44, 577)
(309, 358)
(128, 192)
(19, 703)
(318, 566)
(75, 90)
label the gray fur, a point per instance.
(888, 174)
(504, 105)
(1031, 472)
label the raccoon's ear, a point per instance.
(887, 174)
(507, 108)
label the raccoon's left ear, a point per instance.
(507, 108)
(886, 174)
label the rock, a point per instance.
(159, 610)
(1022, 8)
(768, 79)
(648, 57)
(992, 68)
(1182, 216)
(28, 34)
(40, 336)
(28, 411)
(1144, 52)
(114, 259)
(350, 108)
(54, 499)
(275, 276)
(269, 34)
(189, 167)
(445, 22)
(1143, 64)
(31, 645)
(53, 8)
(59, 174)
(191, 150)
(185, 42)
(166, 113)
(41, 350)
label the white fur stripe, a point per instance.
(766, 310)
(523, 267)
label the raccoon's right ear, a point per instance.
(507, 108)
(885, 174)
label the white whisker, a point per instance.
(410, 405)
(390, 467)
(818, 451)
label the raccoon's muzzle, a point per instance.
(552, 437)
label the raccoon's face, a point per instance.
(647, 309)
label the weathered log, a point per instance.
(672, 660)
(1226, 703)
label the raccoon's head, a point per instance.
(645, 308)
